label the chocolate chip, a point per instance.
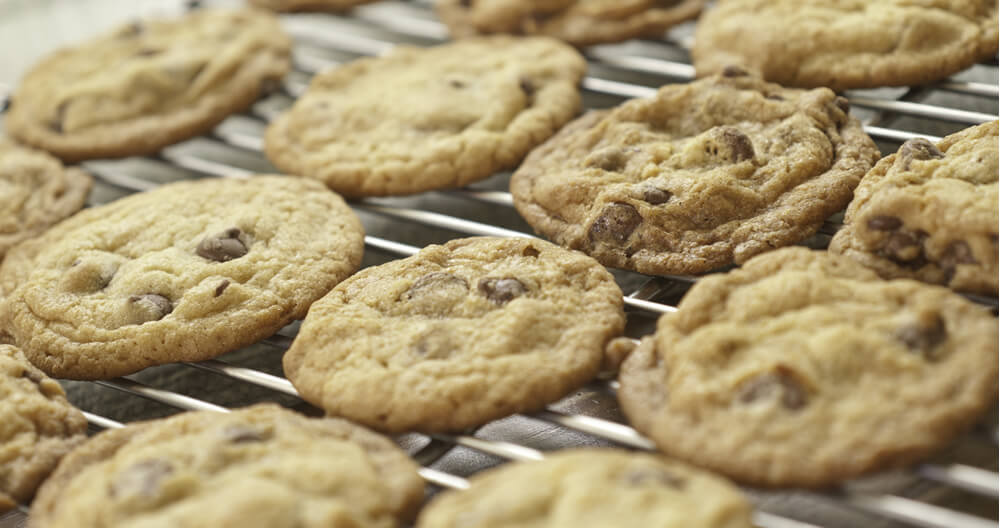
(465, 3)
(32, 375)
(766, 386)
(905, 246)
(141, 479)
(241, 434)
(655, 196)
(527, 86)
(958, 252)
(843, 104)
(150, 307)
(223, 247)
(923, 334)
(221, 287)
(501, 291)
(455, 83)
(435, 282)
(615, 224)
(638, 477)
(734, 71)
(611, 159)
(730, 144)
(884, 223)
(918, 149)
(530, 251)
(57, 123)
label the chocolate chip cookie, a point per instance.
(262, 466)
(38, 427)
(579, 22)
(428, 118)
(804, 368)
(591, 488)
(929, 212)
(182, 273)
(457, 335)
(36, 192)
(308, 5)
(149, 84)
(843, 44)
(699, 176)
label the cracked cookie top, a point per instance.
(804, 368)
(418, 119)
(699, 176)
(149, 84)
(929, 212)
(181, 273)
(257, 467)
(457, 335)
(843, 44)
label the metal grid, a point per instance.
(616, 72)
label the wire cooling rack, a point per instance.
(958, 489)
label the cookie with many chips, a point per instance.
(428, 118)
(181, 273)
(457, 335)
(843, 44)
(698, 176)
(804, 368)
(36, 191)
(929, 212)
(149, 84)
(591, 488)
(38, 427)
(257, 467)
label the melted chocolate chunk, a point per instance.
(918, 149)
(958, 252)
(905, 246)
(884, 223)
(501, 291)
(530, 251)
(527, 87)
(153, 307)
(843, 104)
(734, 71)
(730, 144)
(766, 386)
(655, 196)
(923, 335)
(615, 224)
(141, 479)
(221, 287)
(223, 247)
(611, 159)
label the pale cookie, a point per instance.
(257, 467)
(308, 5)
(579, 22)
(591, 488)
(37, 427)
(699, 176)
(182, 273)
(804, 368)
(149, 84)
(930, 213)
(843, 44)
(428, 118)
(457, 335)
(36, 191)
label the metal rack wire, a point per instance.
(617, 72)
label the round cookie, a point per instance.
(182, 273)
(930, 213)
(803, 368)
(149, 84)
(39, 427)
(579, 22)
(428, 118)
(699, 176)
(36, 191)
(261, 466)
(591, 488)
(308, 5)
(844, 44)
(457, 335)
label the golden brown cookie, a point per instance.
(36, 191)
(257, 467)
(843, 44)
(37, 427)
(804, 368)
(148, 84)
(699, 176)
(929, 212)
(457, 335)
(428, 118)
(185, 272)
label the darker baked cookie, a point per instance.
(37, 427)
(701, 175)
(428, 118)
(929, 212)
(36, 191)
(457, 335)
(182, 273)
(804, 368)
(257, 467)
(844, 44)
(148, 84)
(579, 22)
